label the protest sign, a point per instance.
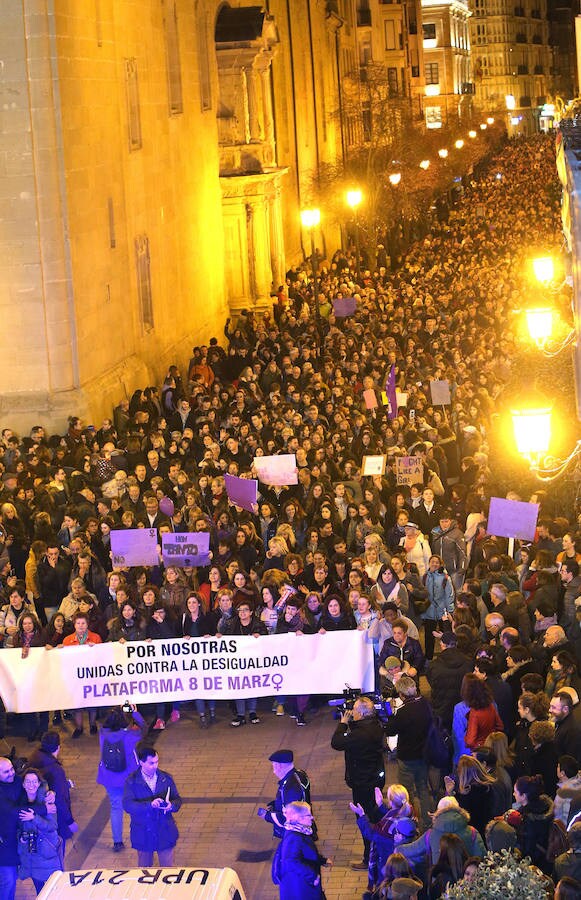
(512, 519)
(181, 548)
(135, 547)
(409, 470)
(370, 398)
(242, 491)
(440, 391)
(401, 398)
(344, 306)
(373, 465)
(221, 668)
(277, 470)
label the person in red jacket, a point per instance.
(80, 636)
(483, 716)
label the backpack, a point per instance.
(439, 746)
(558, 841)
(113, 755)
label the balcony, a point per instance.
(525, 101)
(522, 70)
(537, 39)
(519, 11)
(535, 14)
(541, 101)
(539, 70)
(364, 18)
(467, 87)
(521, 38)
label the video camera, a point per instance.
(382, 706)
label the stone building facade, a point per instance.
(154, 157)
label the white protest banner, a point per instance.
(277, 470)
(401, 398)
(373, 465)
(409, 470)
(222, 668)
(181, 548)
(135, 547)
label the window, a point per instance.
(144, 280)
(432, 73)
(203, 59)
(390, 36)
(172, 53)
(392, 81)
(133, 112)
(429, 29)
(366, 114)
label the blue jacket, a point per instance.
(296, 865)
(440, 594)
(151, 829)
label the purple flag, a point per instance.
(344, 306)
(391, 394)
(242, 491)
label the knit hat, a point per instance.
(392, 662)
(500, 836)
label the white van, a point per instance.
(143, 884)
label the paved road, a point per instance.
(224, 775)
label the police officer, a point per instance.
(293, 784)
(359, 735)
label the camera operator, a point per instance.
(360, 736)
(411, 724)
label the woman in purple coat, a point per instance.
(118, 738)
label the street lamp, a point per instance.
(544, 269)
(354, 198)
(425, 164)
(532, 431)
(443, 153)
(483, 126)
(540, 324)
(490, 120)
(395, 178)
(471, 134)
(310, 218)
(459, 144)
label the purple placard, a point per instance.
(134, 547)
(512, 519)
(344, 306)
(242, 491)
(180, 548)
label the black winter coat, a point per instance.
(151, 829)
(54, 774)
(362, 742)
(445, 675)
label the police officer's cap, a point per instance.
(282, 756)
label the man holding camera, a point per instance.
(359, 734)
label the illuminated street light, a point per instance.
(483, 126)
(310, 218)
(443, 153)
(510, 101)
(544, 269)
(425, 164)
(472, 134)
(532, 431)
(354, 198)
(395, 178)
(459, 144)
(540, 324)
(490, 120)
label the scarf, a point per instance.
(300, 829)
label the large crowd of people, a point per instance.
(483, 643)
